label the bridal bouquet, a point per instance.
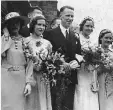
(98, 59)
(92, 60)
(92, 55)
(102, 62)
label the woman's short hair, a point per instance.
(84, 21)
(102, 33)
(34, 22)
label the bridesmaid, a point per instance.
(85, 98)
(16, 76)
(42, 90)
(106, 79)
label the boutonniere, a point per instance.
(76, 42)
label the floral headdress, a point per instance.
(84, 21)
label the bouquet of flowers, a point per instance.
(106, 62)
(52, 65)
(91, 55)
(107, 69)
(55, 69)
(100, 60)
(92, 60)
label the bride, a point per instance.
(85, 98)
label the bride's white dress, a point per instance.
(84, 98)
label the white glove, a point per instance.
(79, 57)
(27, 90)
(74, 64)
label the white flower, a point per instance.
(44, 53)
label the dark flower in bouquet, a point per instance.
(55, 69)
(92, 55)
(107, 62)
(98, 59)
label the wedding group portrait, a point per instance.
(56, 55)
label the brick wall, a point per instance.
(3, 10)
(49, 7)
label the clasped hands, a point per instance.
(74, 64)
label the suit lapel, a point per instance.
(60, 40)
(67, 44)
(60, 34)
(60, 37)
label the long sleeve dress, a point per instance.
(15, 73)
(42, 90)
(85, 99)
(106, 88)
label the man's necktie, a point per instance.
(67, 35)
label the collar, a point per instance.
(83, 38)
(84, 41)
(63, 30)
(41, 36)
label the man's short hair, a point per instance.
(54, 20)
(64, 7)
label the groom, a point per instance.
(63, 37)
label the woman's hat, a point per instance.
(14, 15)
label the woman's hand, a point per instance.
(27, 90)
(6, 33)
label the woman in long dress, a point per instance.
(16, 77)
(37, 43)
(106, 78)
(85, 98)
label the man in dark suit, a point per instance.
(63, 37)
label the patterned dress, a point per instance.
(106, 89)
(41, 90)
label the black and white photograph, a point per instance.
(57, 55)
